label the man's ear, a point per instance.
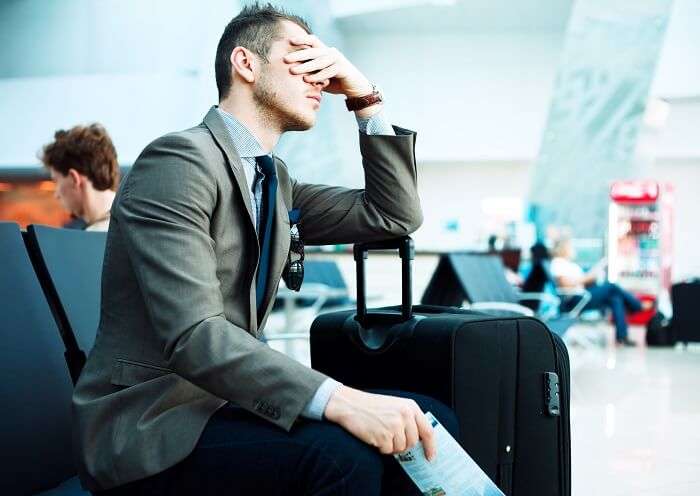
(75, 177)
(243, 62)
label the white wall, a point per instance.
(134, 108)
(471, 96)
(456, 191)
(459, 189)
(684, 175)
(141, 68)
(73, 37)
(678, 72)
(680, 137)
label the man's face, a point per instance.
(286, 98)
(67, 192)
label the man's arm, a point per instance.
(387, 207)
(164, 211)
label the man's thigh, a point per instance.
(239, 452)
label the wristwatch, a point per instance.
(360, 102)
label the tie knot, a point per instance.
(266, 164)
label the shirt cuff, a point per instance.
(317, 406)
(377, 124)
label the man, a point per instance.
(83, 163)
(569, 276)
(178, 395)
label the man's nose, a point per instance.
(322, 84)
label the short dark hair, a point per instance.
(255, 28)
(88, 150)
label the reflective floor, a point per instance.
(635, 420)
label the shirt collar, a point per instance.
(246, 144)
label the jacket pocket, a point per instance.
(130, 373)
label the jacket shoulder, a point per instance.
(195, 139)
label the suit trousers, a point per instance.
(240, 453)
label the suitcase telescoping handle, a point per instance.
(407, 253)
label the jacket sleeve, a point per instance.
(388, 206)
(164, 213)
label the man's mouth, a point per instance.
(315, 97)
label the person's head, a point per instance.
(249, 64)
(563, 248)
(81, 161)
(539, 252)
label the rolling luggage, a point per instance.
(507, 378)
(659, 332)
(686, 318)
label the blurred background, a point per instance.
(501, 93)
(534, 118)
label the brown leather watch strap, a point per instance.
(360, 102)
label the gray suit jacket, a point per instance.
(178, 330)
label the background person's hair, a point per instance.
(561, 245)
(88, 150)
(255, 28)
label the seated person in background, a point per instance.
(83, 164)
(570, 276)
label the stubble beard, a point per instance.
(275, 111)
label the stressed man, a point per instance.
(179, 394)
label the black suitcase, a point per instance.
(507, 378)
(686, 318)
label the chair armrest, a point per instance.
(501, 305)
(578, 308)
(544, 297)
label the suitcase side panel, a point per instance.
(539, 467)
(478, 395)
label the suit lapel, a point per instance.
(280, 229)
(216, 126)
(218, 129)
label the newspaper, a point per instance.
(451, 473)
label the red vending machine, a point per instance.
(640, 240)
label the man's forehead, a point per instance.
(287, 31)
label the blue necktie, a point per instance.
(267, 215)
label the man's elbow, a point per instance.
(416, 220)
(409, 224)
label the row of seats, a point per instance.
(50, 292)
(480, 279)
(50, 298)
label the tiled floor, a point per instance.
(635, 420)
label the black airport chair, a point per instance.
(35, 387)
(69, 265)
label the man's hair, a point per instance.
(88, 150)
(255, 28)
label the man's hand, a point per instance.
(319, 62)
(388, 423)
